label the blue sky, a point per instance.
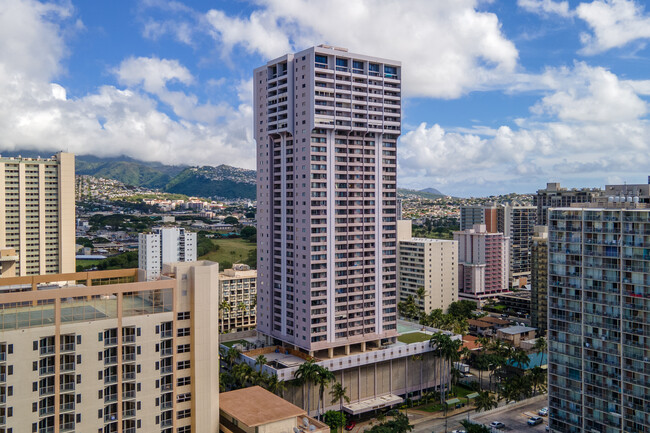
(500, 95)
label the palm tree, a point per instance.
(232, 355)
(243, 374)
(456, 375)
(421, 294)
(260, 361)
(520, 359)
(437, 343)
(224, 305)
(540, 347)
(323, 378)
(306, 374)
(485, 401)
(339, 393)
(537, 379)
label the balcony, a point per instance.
(66, 407)
(66, 427)
(110, 417)
(110, 360)
(166, 405)
(44, 411)
(67, 387)
(46, 390)
(110, 398)
(67, 347)
(166, 333)
(128, 395)
(68, 366)
(128, 357)
(111, 341)
(127, 339)
(47, 350)
(110, 379)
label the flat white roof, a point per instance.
(372, 404)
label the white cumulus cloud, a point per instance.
(447, 47)
(36, 112)
(614, 24)
(546, 7)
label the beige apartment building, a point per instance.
(237, 299)
(109, 352)
(428, 263)
(37, 213)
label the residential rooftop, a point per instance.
(514, 330)
(255, 406)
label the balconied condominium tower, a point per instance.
(326, 126)
(37, 213)
(556, 196)
(108, 352)
(599, 318)
(483, 264)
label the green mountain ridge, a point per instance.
(425, 193)
(222, 181)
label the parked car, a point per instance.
(543, 412)
(497, 424)
(350, 425)
(535, 420)
(459, 431)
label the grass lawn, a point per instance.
(88, 263)
(459, 391)
(234, 250)
(413, 337)
(232, 343)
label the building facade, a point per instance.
(556, 196)
(472, 215)
(539, 280)
(37, 213)
(599, 315)
(326, 127)
(165, 245)
(518, 223)
(106, 352)
(483, 264)
(428, 263)
(237, 299)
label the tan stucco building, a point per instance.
(428, 263)
(37, 213)
(238, 289)
(141, 355)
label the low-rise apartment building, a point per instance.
(237, 299)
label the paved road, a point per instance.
(513, 417)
